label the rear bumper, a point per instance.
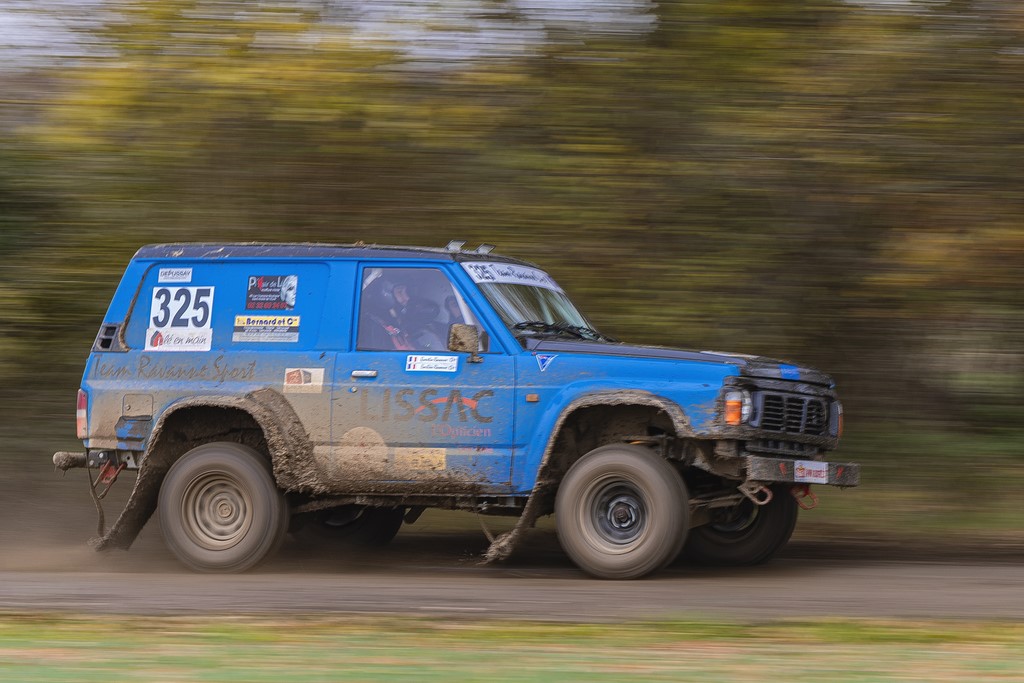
(762, 469)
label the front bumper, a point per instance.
(770, 470)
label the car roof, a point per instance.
(203, 250)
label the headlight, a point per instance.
(738, 406)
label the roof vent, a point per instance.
(485, 248)
(455, 245)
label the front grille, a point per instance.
(792, 414)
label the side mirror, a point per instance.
(463, 338)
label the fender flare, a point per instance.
(544, 485)
(290, 447)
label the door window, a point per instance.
(408, 309)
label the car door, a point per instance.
(408, 410)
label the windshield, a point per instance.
(529, 302)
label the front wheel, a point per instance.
(621, 512)
(220, 509)
(744, 534)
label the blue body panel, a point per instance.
(568, 377)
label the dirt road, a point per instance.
(431, 569)
(433, 572)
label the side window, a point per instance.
(408, 309)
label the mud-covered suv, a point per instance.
(262, 388)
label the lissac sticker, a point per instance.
(427, 406)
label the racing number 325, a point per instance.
(191, 306)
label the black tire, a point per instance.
(746, 534)
(220, 509)
(355, 525)
(621, 512)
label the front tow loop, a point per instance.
(759, 494)
(805, 498)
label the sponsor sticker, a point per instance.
(810, 472)
(432, 364)
(179, 339)
(174, 275)
(303, 380)
(491, 273)
(179, 319)
(544, 360)
(266, 328)
(271, 292)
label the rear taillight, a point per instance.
(82, 414)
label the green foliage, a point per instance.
(816, 180)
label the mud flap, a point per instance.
(504, 545)
(140, 507)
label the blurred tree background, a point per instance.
(834, 182)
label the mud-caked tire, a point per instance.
(220, 510)
(621, 512)
(746, 534)
(352, 525)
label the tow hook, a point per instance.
(107, 477)
(759, 494)
(110, 466)
(802, 492)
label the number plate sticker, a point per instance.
(179, 319)
(810, 472)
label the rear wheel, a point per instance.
(744, 534)
(220, 509)
(621, 512)
(367, 527)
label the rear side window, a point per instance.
(201, 306)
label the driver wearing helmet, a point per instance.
(379, 328)
(418, 319)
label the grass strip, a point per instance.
(318, 648)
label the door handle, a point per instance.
(364, 373)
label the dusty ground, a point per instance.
(434, 574)
(432, 568)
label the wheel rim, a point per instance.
(216, 511)
(736, 521)
(616, 519)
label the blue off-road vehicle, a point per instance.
(262, 388)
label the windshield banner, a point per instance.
(491, 273)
